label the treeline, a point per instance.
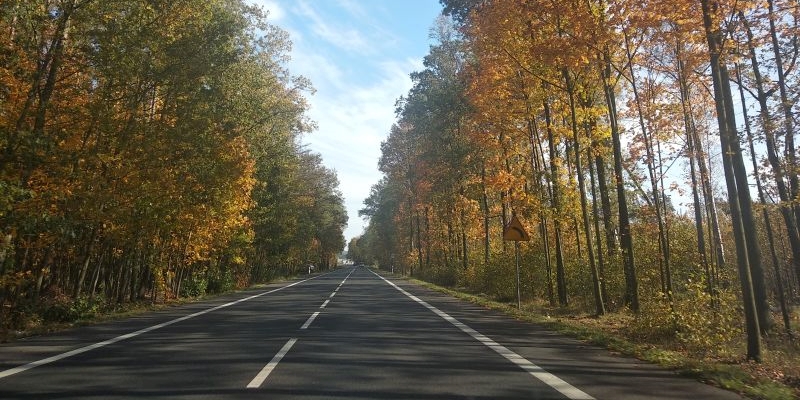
(648, 147)
(148, 150)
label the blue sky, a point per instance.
(358, 55)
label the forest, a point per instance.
(150, 150)
(646, 146)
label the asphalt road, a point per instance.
(347, 334)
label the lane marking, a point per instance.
(81, 350)
(536, 371)
(347, 277)
(325, 304)
(310, 320)
(262, 376)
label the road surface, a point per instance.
(345, 334)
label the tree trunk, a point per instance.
(746, 204)
(85, 264)
(410, 235)
(427, 239)
(765, 214)
(727, 135)
(96, 274)
(664, 261)
(464, 248)
(419, 244)
(768, 126)
(548, 264)
(788, 114)
(555, 161)
(48, 69)
(691, 133)
(710, 202)
(596, 285)
(601, 266)
(605, 201)
(485, 206)
(631, 298)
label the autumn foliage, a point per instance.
(150, 149)
(617, 132)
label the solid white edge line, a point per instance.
(310, 320)
(536, 371)
(264, 373)
(58, 357)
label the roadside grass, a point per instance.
(763, 381)
(34, 323)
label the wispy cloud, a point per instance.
(352, 125)
(344, 37)
(359, 70)
(355, 9)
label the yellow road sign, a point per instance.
(514, 232)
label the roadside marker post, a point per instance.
(515, 232)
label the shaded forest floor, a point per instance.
(777, 377)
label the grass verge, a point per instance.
(741, 377)
(106, 312)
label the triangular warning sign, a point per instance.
(514, 231)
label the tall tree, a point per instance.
(738, 191)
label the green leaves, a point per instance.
(168, 129)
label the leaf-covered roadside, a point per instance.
(776, 378)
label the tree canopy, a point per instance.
(612, 129)
(135, 167)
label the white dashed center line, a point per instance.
(262, 376)
(310, 320)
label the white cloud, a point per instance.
(324, 73)
(354, 9)
(351, 58)
(346, 38)
(276, 12)
(352, 124)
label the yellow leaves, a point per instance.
(503, 181)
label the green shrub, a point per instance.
(193, 286)
(704, 329)
(62, 308)
(655, 321)
(220, 281)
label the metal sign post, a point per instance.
(515, 232)
(516, 251)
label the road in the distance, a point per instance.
(348, 334)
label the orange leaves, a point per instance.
(503, 181)
(111, 120)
